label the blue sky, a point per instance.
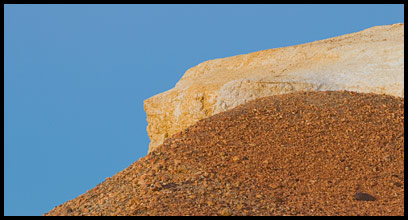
(75, 77)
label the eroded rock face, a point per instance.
(368, 61)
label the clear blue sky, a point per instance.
(75, 77)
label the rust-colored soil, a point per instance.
(309, 153)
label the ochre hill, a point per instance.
(304, 153)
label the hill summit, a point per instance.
(303, 153)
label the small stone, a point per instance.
(388, 158)
(278, 200)
(177, 162)
(364, 197)
(274, 185)
(397, 184)
(169, 185)
(225, 212)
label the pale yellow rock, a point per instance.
(368, 61)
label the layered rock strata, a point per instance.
(368, 61)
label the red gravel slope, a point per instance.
(308, 153)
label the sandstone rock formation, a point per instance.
(368, 61)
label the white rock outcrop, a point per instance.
(368, 61)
